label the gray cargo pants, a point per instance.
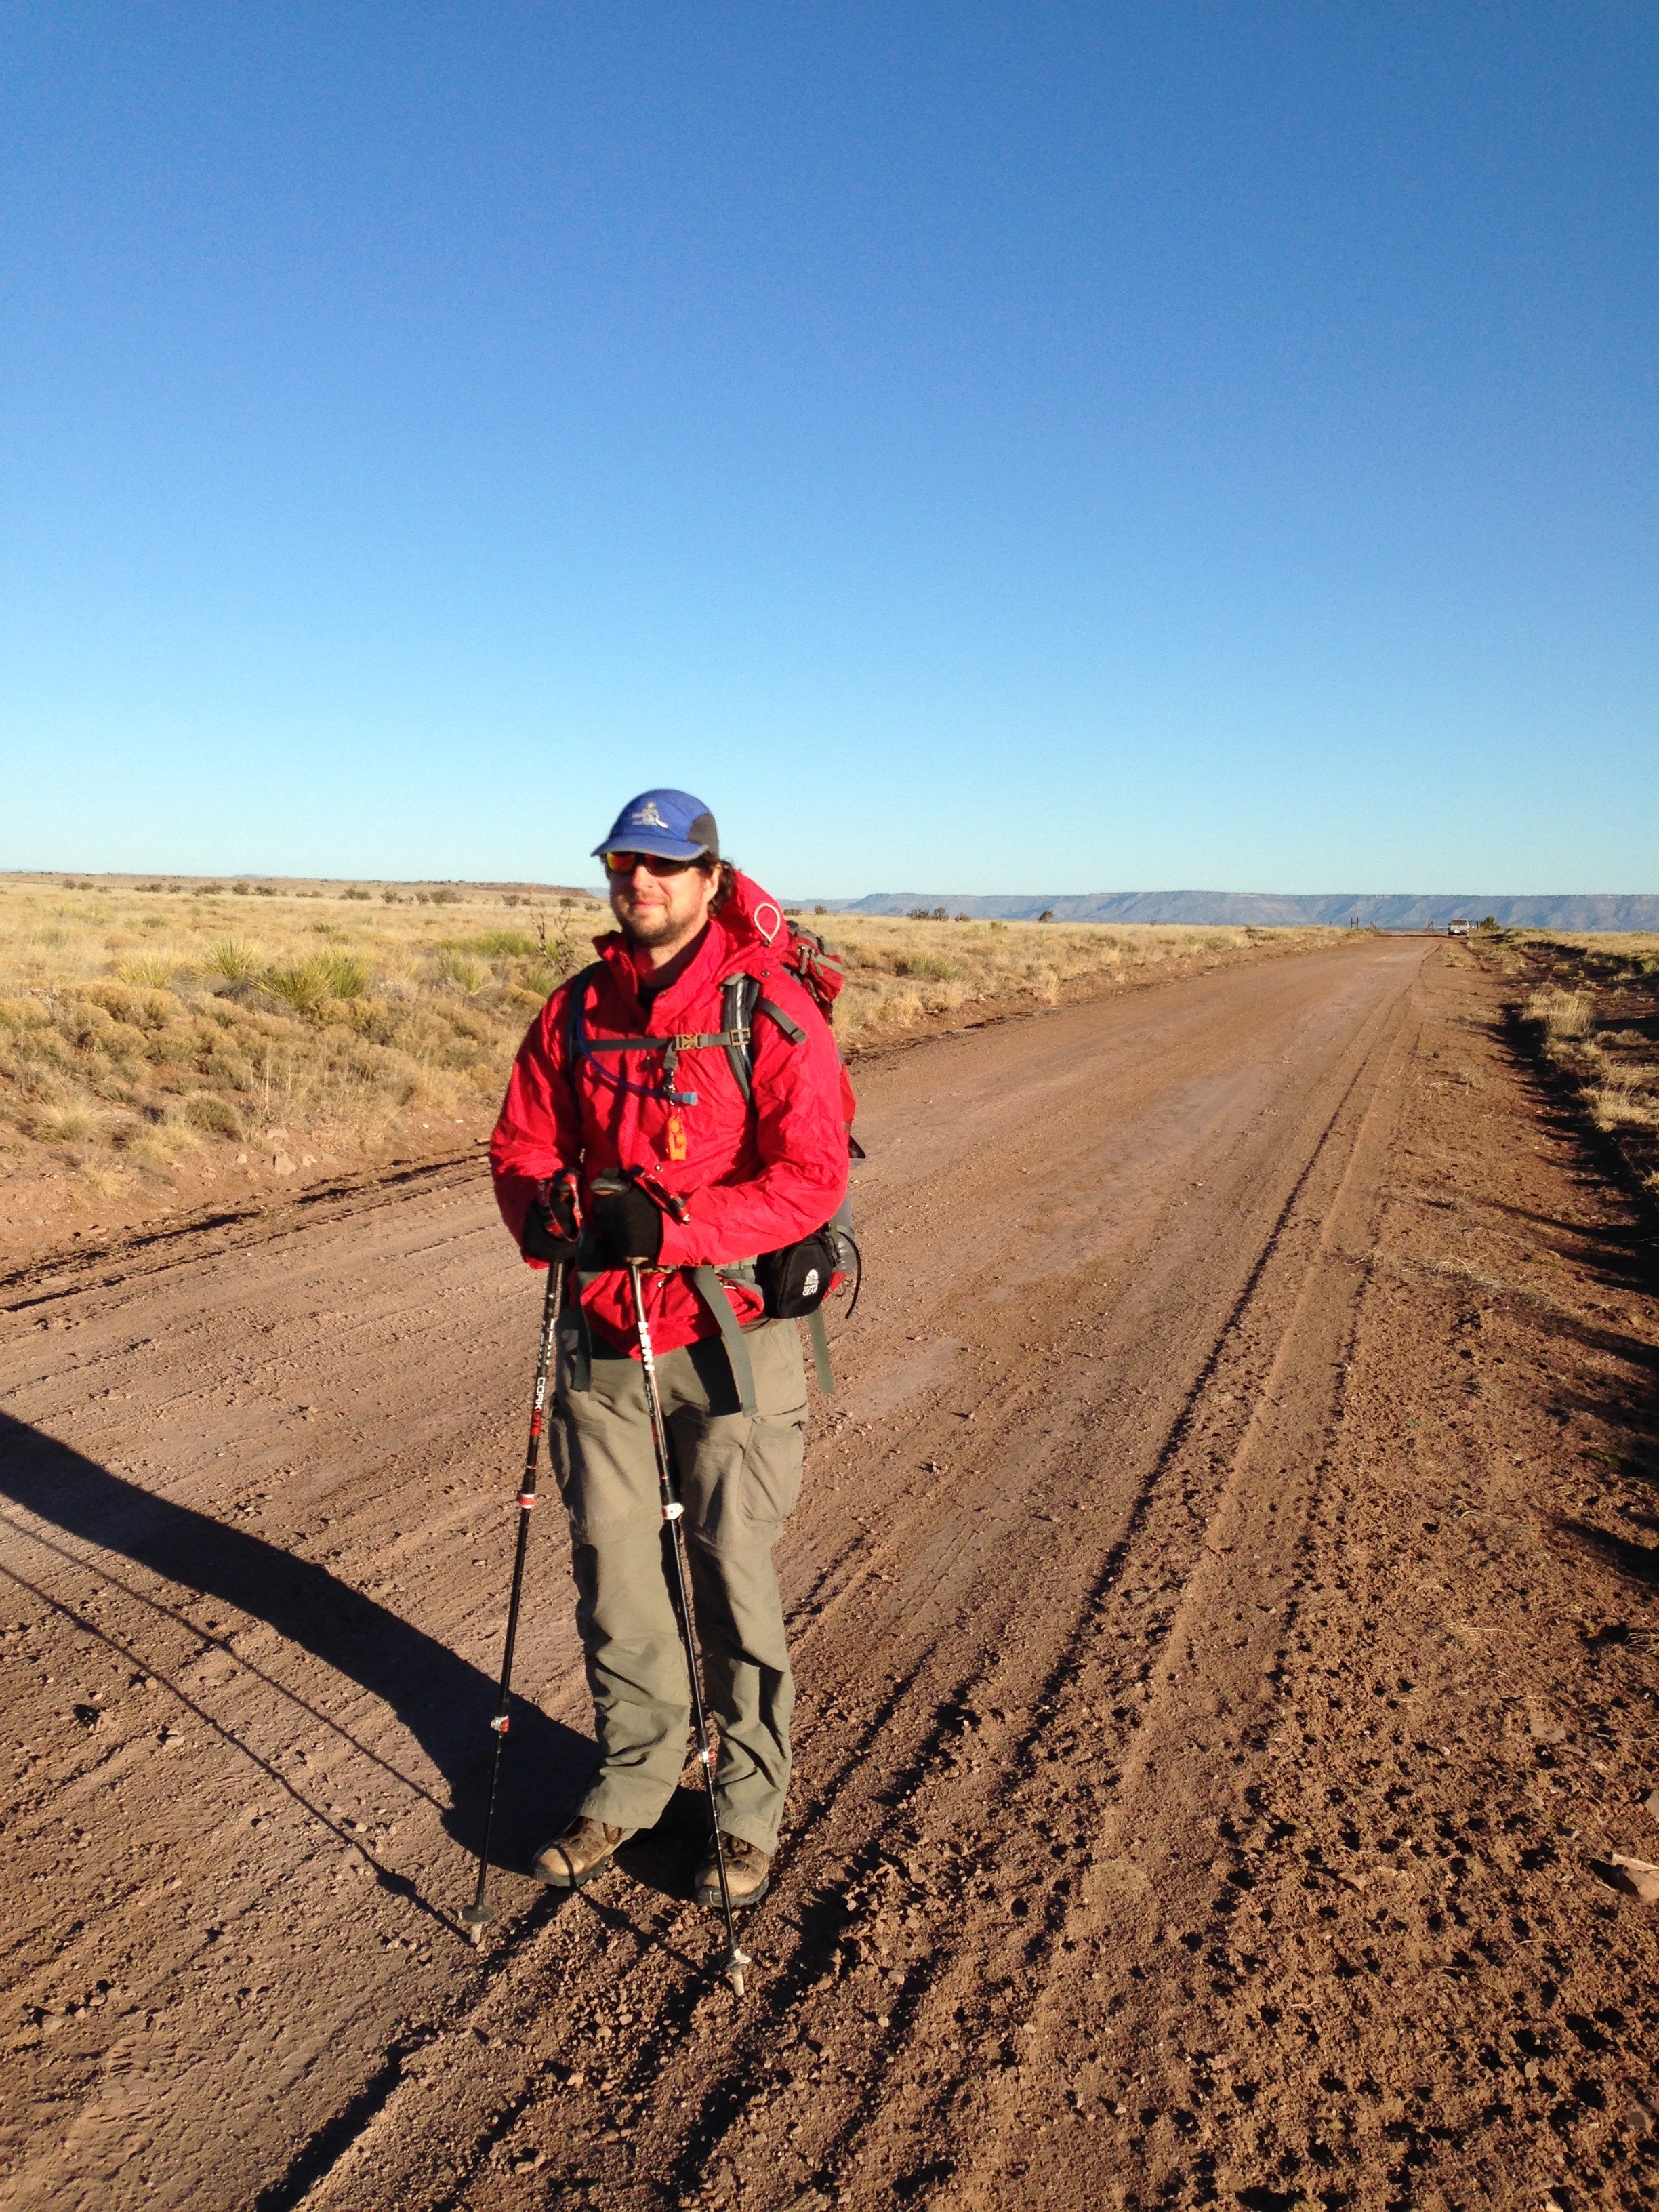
(737, 1478)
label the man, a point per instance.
(748, 1174)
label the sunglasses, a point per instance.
(654, 864)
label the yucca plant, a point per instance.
(303, 987)
(234, 958)
(344, 973)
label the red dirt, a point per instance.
(1222, 1603)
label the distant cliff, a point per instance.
(1565, 910)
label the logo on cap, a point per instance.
(647, 816)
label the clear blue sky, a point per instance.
(977, 448)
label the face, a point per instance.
(662, 913)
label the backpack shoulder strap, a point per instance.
(741, 1000)
(739, 996)
(575, 1016)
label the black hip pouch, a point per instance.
(795, 1279)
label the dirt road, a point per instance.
(1222, 1603)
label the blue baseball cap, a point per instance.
(671, 823)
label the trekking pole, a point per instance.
(673, 1512)
(478, 1915)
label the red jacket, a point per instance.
(757, 1174)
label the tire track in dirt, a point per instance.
(51, 1277)
(1265, 1476)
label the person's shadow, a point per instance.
(443, 1701)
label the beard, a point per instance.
(659, 929)
(654, 925)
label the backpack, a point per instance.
(794, 1280)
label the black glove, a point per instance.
(552, 1228)
(627, 1223)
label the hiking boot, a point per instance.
(585, 1848)
(748, 1873)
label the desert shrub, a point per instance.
(228, 1070)
(373, 1019)
(144, 1010)
(71, 1125)
(453, 966)
(84, 1024)
(355, 892)
(213, 1115)
(445, 897)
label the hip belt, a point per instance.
(710, 1284)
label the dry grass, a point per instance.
(1563, 1015)
(149, 1033)
(140, 1030)
(1596, 1010)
